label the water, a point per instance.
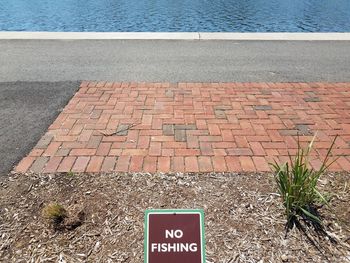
(176, 15)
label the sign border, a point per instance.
(172, 211)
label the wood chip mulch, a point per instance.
(244, 217)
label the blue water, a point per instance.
(176, 15)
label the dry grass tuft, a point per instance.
(55, 213)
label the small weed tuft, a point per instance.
(70, 174)
(297, 185)
(55, 213)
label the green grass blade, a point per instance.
(311, 216)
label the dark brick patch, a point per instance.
(312, 99)
(223, 107)
(266, 92)
(39, 164)
(311, 93)
(169, 93)
(168, 129)
(303, 129)
(220, 114)
(180, 135)
(185, 127)
(44, 141)
(289, 132)
(262, 107)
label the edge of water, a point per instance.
(12, 35)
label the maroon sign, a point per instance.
(174, 236)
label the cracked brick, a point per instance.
(122, 130)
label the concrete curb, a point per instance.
(174, 36)
(276, 36)
(99, 35)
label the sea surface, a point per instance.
(175, 15)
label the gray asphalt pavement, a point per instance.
(162, 60)
(26, 111)
(28, 108)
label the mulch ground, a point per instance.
(244, 218)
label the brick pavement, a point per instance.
(193, 127)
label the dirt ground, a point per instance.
(244, 218)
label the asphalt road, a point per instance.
(164, 60)
(28, 108)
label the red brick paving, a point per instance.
(192, 127)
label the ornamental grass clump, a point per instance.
(297, 185)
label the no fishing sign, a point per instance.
(174, 236)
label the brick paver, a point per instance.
(193, 127)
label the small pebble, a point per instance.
(284, 258)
